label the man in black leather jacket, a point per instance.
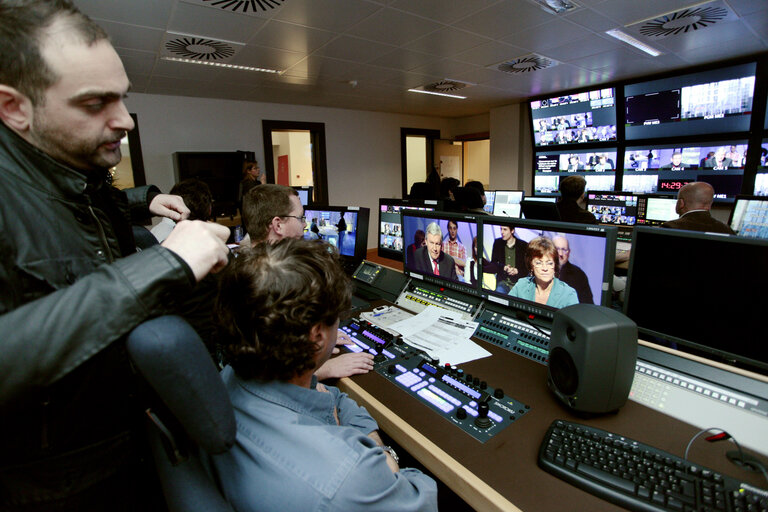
(71, 284)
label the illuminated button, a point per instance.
(419, 385)
(353, 348)
(495, 417)
(699, 389)
(435, 400)
(715, 395)
(362, 344)
(741, 403)
(445, 395)
(431, 380)
(470, 410)
(408, 379)
(388, 354)
(372, 351)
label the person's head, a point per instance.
(453, 230)
(448, 186)
(602, 159)
(542, 259)
(419, 238)
(572, 187)
(563, 249)
(720, 154)
(278, 309)
(694, 196)
(677, 158)
(479, 187)
(507, 232)
(434, 240)
(62, 84)
(251, 170)
(272, 212)
(197, 196)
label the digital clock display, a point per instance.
(672, 184)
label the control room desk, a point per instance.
(502, 473)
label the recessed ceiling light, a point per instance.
(626, 38)
(557, 6)
(439, 94)
(221, 65)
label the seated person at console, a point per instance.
(272, 213)
(694, 200)
(572, 201)
(542, 286)
(431, 259)
(300, 445)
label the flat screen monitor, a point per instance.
(653, 210)
(613, 208)
(664, 168)
(544, 199)
(490, 197)
(221, 171)
(442, 249)
(588, 116)
(391, 241)
(714, 101)
(305, 195)
(507, 203)
(673, 302)
(343, 227)
(574, 262)
(749, 217)
(761, 179)
(598, 166)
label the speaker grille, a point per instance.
(563, 371)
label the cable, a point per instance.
(724, 435)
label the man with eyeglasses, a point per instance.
(274, 212)
(571, 274)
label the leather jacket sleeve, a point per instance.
(46, 338)
(139, 199)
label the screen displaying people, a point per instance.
(562, 268)
(335, 227)
(589, 116)
(440, 247)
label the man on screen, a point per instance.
(718, 161)
(571, 274)
(431, 259)
(675, 163)
(507, 260)
(454, 248)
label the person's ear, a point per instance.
(15, 109)
(276, 225)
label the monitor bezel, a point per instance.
(361, 238)
(391, 254)
(743, 197)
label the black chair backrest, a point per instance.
(539, 210)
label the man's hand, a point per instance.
(512, 271)
(166, 205)
(200, 244)
(345, 365)
(342, 338)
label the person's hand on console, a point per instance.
(345, 365)
(342, 338)
(171, 206)
(202, 245)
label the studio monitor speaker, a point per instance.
(592, 354)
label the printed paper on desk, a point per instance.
(442, 334)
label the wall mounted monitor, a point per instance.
(305, 195)
(490, 197)
(664, 168)
(749, 217)
(344, 227)
(654, 210)
(613, 208)
(589, 116)
(671, 302)
(221, 171)
(573, 261)
(391, 241)
(761, 179)
(714, 101)
(507, 203)
(597, 166)
(445, 254)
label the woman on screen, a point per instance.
(542, 286)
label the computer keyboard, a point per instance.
(639, 477)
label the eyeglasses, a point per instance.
(563, 249)
(303, 218)
(539, 264)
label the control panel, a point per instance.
(522, 337)
(462, 399)
(418, 295)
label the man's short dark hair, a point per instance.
(197, 196)
(263, 203)
(476, 185)
(22, 29)
(270, 297)
(572, 187)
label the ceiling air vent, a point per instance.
(686, 20)
(199, 48)
(444, 86)
(526, 64)
(240, 6)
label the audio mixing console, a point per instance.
(462, 399)
(498, 326)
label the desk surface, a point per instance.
(502, 474)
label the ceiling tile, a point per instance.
(315, 65)
(214, 23)
(334, 15)
(592, 20)
(490, 53)
(354, 49)
(716, 33)
(446, 68)
(138, 62)
(505, 19)
(744, 7)
(393, 27)
(287, 36)
(263, 57)
(613, 57)
(443, 11)
(723, 49)
(132, 36)
(628, 12)
(589, 45)
(446, 42)
(185, 71)
(147, 13)
(549, 35)
(403, 59)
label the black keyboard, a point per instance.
(639, 477)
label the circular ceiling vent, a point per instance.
(444, 86)
(198, 48)
(245, 6)
(526, 64)
(683, 21)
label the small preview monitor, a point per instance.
(507, 203)
(749, 217)
(613, 208)
(391, 241)
(343, 227)
(584, 117)
(598, 166)
(490, 197)
(548, 264)
(714, 101)
(761, 179)
(305, 195)
(653, 210)
(442, 248)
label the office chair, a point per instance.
(193, 411)
(539, 210)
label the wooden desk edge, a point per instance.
(463, 482)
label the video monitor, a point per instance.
(546, 264)
(507, 203)
(490, 197)
(305, 195)
(598, 166)
(749, 217)
(543, 199)
(588, 116)
(391, 241)
(343, 227)
(665, 168)
(674, 304)
(714, 101)
(442, 247)
(613, 208)
(653, 210)
(761, 179)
